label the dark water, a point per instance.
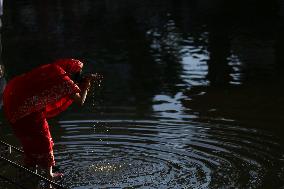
(192, 95)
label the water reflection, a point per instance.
(191, 93)
(148, 153)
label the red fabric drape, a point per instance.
(34, 96)
(33, 133)
(69, 65)
(47, 88)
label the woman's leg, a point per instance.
(49, 173)
(33, 133)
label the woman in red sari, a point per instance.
(44, 92)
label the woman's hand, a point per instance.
(85, 86)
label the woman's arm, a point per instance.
(80, 98)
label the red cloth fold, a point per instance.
(34, 135)
(47, 88)
(34, 96)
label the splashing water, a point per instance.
(96, 90)
(97, 84)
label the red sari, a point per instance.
(32, 97)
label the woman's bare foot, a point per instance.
(57, 176)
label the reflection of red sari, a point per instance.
(31, 98)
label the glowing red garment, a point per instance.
(31, 98)
(70, 66)
(33, 133)
(47, 88)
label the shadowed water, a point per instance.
(192, 93)
(144, 153)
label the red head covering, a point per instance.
(47, 88)
(69, 65)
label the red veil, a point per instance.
(46, 88)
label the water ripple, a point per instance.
(163, 154)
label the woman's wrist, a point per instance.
(85, 85)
